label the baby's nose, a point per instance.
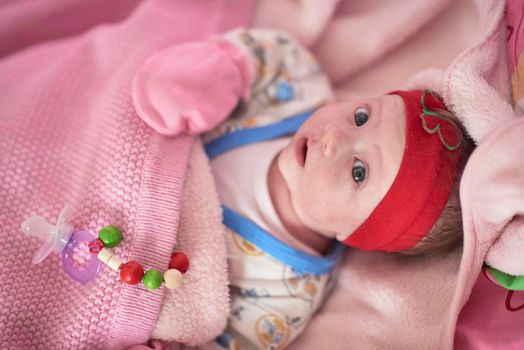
(330, 138)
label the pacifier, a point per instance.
(62, 239)
(55, 237)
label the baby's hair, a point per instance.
(446, 233)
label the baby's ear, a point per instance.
(427, 79)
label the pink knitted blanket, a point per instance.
(69, 136)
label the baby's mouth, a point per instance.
(301, 151)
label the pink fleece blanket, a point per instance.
(457, 48)
(69, 135)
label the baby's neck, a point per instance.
(280, 198)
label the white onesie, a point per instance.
(276, 281)
(271, 301)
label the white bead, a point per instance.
(172, 278)
(108, 258)
(104, 255)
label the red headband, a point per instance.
(423, 183)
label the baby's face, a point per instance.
(342, 161)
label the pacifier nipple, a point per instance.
(38, 226)
(54, 237)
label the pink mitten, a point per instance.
(192, 87)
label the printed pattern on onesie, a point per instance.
(270, 302)
(288, 81)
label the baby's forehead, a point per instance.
(389, 104)
(364, 98)
(387, 101)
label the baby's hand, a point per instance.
(192, 87)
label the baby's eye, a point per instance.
(359, 171)
(361, 116)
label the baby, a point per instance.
(297, 173)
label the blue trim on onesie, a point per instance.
(301, 262)
(243, 137)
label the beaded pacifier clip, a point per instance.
(62, 239)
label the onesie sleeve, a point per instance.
(286, 80)
(283, 70)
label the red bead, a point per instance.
(131, 272)
(179, 261)
(95, 246)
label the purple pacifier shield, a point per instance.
(92, 266)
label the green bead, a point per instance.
(110, 235)
(152, 279)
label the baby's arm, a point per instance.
(191, 88)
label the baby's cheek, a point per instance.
(319, 202)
